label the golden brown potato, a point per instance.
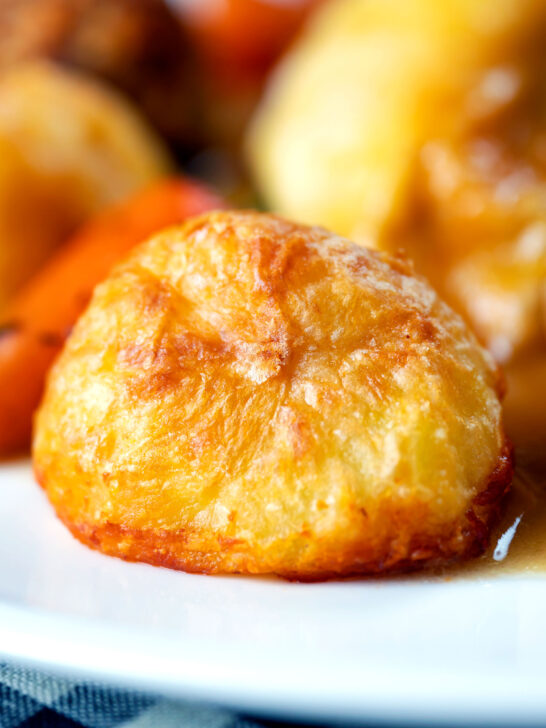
(480, 235)
(245, 394)
(341, 127)
(419, 124)
(68, 147)
(503, 293)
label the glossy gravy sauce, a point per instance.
(519, 542)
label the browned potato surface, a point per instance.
(245, 394)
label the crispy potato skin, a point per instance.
(413, 551)
(249, 395)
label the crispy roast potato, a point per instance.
(245, 394)
(68, 147)
(420, 125)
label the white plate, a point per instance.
(409, 651)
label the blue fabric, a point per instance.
(30, 699)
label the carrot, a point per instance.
(245, 34)
(38, 320)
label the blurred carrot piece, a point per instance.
(37, 321)
(248, 34)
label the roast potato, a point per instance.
(245, 394)
(68, 147)
(420, 125)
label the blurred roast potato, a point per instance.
(420, 124)
(68, 146)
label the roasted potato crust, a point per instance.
(169, 549)
(249, 395)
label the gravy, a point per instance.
(519, 543)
